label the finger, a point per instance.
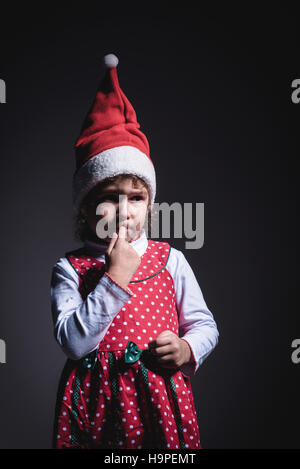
(160, 341)
(112, 242)
(166, 333)
(167, 361)
(161, 351)
(122, 232)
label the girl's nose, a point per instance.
(123, 208)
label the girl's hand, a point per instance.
(122, 260)
(170, 350)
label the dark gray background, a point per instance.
(211, 89)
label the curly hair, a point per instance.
(81, 229)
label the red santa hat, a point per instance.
(110, 142)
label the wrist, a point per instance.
(188, 355)
(119, 278)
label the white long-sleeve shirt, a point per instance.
(80, 325)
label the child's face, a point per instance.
(130, 209)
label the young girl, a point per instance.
(128, 311)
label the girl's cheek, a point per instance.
(139, 208)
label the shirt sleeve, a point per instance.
(79, 325)
(196, 323)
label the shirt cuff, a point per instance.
(127, 290)
(189, 369)
(107, 285)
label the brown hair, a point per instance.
(81, 229)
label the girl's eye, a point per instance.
(107, 197)
(115, 198)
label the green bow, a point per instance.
(132, 352)
(90, 360)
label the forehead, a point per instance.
(122, 186)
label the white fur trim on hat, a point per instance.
(109, 163)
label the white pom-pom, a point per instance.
(111, 60)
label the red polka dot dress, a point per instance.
(118, 396)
